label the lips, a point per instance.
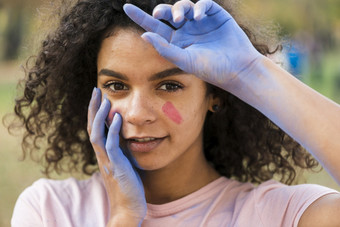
(145, 144)
(144, 139)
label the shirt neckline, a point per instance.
(191, 200)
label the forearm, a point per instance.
(307, 116)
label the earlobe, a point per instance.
(215, 108)
(215, 104)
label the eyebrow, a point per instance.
(166, 73)
(157, 76)
(109, 72)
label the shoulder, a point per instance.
(45, 199)
(322, 212)
(273, 203)
(71, 188)
(288, 203)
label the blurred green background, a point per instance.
(312, 50)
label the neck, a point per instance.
(177, 179)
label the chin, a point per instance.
(146, 161)
(150, 165)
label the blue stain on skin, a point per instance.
(106, 170)
(193, 207)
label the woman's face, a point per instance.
(163, 108)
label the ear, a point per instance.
(214, 103)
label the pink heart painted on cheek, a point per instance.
(170, 111)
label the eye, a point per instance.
(115, 86)
(170, 86)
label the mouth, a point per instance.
(143, 139)
(145, 144)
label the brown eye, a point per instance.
(117, 86)
(170, 87)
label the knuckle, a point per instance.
(110, 147)
(94, 139)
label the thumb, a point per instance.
(167, 50)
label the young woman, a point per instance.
(178, 124)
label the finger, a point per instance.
(169, 51)
(182, 9)
(113, 135)
(211, 7)
(93, 108)
(147, 22)
(102, 159)
(118, 160)
(204, 8)
(163, 12)
(200, 9)
(97, 136)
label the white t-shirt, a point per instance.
(223, 202)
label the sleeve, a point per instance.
(282, 205)
(26, 211)
(62, 203)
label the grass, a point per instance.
(16, 176)
(326, 77)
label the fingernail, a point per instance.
(155, 13)
(145, 38)
(94, 92)
(197, 15)
(115, 117)
(97, 90)
(176, 17)
(105, 100)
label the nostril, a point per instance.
(140, 117)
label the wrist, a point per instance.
(124, 220)
(253, 82)
(245, 76)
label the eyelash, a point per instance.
(170, 83)
(113, 83)
(173, 84)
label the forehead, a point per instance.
(126, 53)
(125, 49)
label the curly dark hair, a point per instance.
(239, 141)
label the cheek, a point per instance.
(171, 112)
(110, 116)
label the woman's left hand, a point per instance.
(123, 184)
(207, 40)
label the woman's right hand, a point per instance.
(123, 184)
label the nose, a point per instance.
(140, 110)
